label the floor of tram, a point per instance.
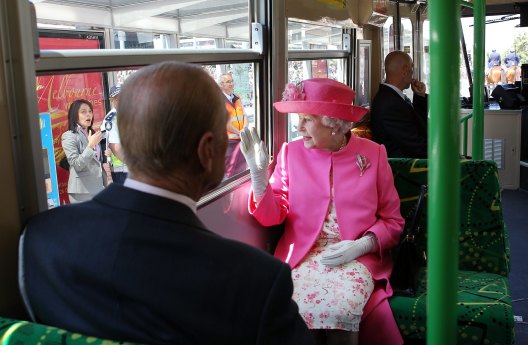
(515, 211)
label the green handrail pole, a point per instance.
(464, 138)
(444, 172)
(464, 121)
(479, 14)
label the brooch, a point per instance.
(362, 163)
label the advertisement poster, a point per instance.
(50, 168)
(56, 92)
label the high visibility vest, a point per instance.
(236, 116)
(110, 121)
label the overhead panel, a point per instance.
(128, 14)
(200, 18)
(66, 14)
(344, 12)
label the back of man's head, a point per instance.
(164, 112)
(395, 61)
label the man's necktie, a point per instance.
(408, 101)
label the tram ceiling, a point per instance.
(219, 18)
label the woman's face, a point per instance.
(85, 116)
(314, 134)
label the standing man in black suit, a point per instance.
(136, 263)
(398, 123)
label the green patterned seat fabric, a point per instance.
(16, 332)
(484, 311)
(483, 243)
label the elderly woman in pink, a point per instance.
(335, 193)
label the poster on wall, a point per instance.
(55, 93)
(50, 168)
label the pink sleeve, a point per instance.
(389, 224)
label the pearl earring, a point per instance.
(333, 133)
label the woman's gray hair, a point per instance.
(338, 126)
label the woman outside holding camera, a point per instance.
(83, 152)
(335, 192)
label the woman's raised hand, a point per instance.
(256, 156)
(94, 138)
(253, 149)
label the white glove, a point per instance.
(257, 159)
(348, 250)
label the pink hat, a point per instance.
(321, 96)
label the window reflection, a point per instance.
(55, 93)
(306, 36)
(147, 25)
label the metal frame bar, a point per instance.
(317, 54)
(90, 60)
(479, 15)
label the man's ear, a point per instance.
(206, 151)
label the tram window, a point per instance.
(55, 93)
(309, 36)
(140, 40)
(324, 68)
(425, 55)
(407, 36)
(306, 69)
(148, 26)
(388, 39)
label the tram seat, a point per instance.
(17, 332)
(484, 306)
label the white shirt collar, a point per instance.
(229, 97)
(400, 92)
(150, 189)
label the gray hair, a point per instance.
(339, 126)
(220, 78)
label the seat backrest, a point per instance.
(16, 332)
(483, 242)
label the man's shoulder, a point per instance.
(380, 99)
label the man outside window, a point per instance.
(238, 120)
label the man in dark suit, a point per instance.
(136, 263)
(396, 122)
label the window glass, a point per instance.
(407, 36)
(426, 56)
(407, 45)
(306, 69)
(503, 35)
(146, 24)
(388, 41)
(55, 94)
(305, 36)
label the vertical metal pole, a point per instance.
(479, 14)
(444, 172)
(397, 28)
(464, 138)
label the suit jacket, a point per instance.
(397, 125)
(299, 194)
(132, 266)
(86, 174)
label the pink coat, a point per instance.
(299, 194)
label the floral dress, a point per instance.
(331, 297)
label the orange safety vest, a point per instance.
(236, 116)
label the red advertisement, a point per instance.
(55, 93)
